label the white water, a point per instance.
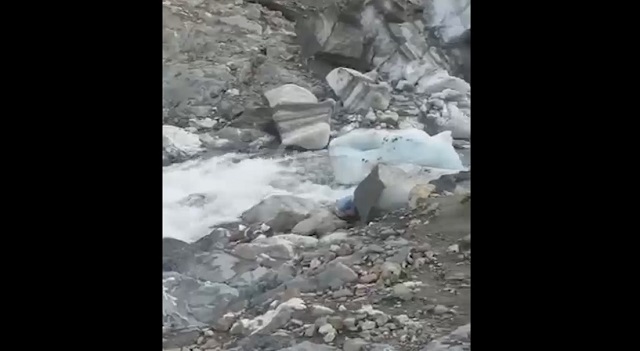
(234, 183)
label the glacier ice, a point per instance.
(354, 154)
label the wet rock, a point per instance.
(321, 223)
(285, 221)
(176, 255)
(335, 275)
(178, 145)
(358, 92)
(269, 208)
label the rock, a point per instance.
(402, 319)
(310, 330)
(206, 123)
(224, 324)
(250, 251)
(434, 82)
(368, 325)
(328, 331)
(388, 117)
(402, 291)
(419, 195)
(319, 311)
(350, 323)
(344, 292)
(357, 91)
(300, 119)
(320, 223)
(356, 344)
(285, 221)
(458, 340)
(178, 145)
(335, 275)
(303, 346)
(269, 208)
(440, 309)
(390, 271)
(290, 94)
(335, 321)
(334, 238)
(382, 319)
(341, 308)
(369, 278)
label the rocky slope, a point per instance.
(268, 78)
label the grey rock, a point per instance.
(458, 340)
(335, 275)
(390, 271)
(335, 321)
(250, 251)
(305, 125)
(243, 22)
(357, 91)
(382, 319)
(308, 346)
(321, 223)
(268, 209)
(369, 278)
(356, 344)
(368, 325)
(319, 311)
(440, 309)
(310, 330)
(350, 324)
(403, 292)
(344, 292)
(224, 323)
(289, 94)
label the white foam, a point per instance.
(232, 184)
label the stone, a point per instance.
(223, 324)
(358, 92)
(269, 208)
(178, 145)
(335, 275)
(402, 319)
(289, 94)
(419, 195)
(458, 340)
(382, 319)
(350, 323)
(440, 309)
(341, 308)
(390, 271)
(335, 321)
(356, 344)
(369, 278)
(303, 346)
(206, 123)
(390, 117)
(344, 292)
(321, 223)
(368, 325)
(402, 291)
(305, 125)
(326, 329)
(439, 80)
(310, 330)
(319, 311)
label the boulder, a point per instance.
(300, 120)
(335, 275)
(457, 340)
(305, 125)
(178, 144)
(320, 223)
(268, 209)
(357, 91)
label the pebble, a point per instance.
(315, 263)
(341, 308)
(208, 333)
(310, 330)
(402, 319)
(336, 322)
(325, 329)
(391, 271)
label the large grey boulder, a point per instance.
(301, 121)
(269, 208)
(358, 92)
